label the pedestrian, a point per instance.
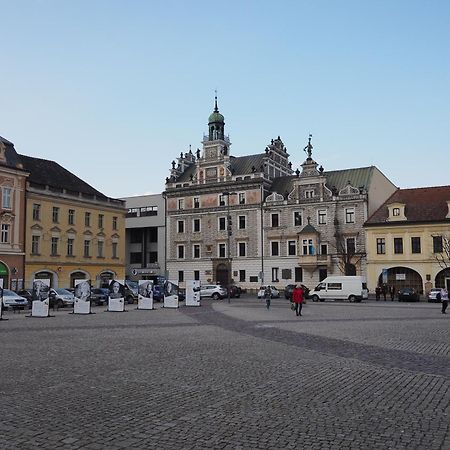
(377, 293)
(297, 298)
(384, 291)
(392, 293)
(268, 296)
(444, 299)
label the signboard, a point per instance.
(193, 293)
(116, 299)
(82, 303)
(41, 301)
(170, 295)
(145, 294)
(400, 276)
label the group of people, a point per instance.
(298, 297)
(383, 290)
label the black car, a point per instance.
(99, 296)
(235, 291)
(290, 288)
(158, 293)
(408, 295)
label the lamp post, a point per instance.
(229, 233)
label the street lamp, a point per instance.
(229, 233)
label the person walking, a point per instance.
(392, 292)
(297, 298)
(268, 296)
(444, 299)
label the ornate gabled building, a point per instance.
(253, 220)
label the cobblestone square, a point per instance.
(228, 376)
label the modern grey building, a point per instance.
(145, 237)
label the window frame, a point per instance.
(7, 197)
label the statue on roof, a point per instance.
(309, 147)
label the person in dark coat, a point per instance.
(384, 291)
(297, 298)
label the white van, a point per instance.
(351, 288)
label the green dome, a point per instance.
(216, 117)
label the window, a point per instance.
(437, 244)
(335, 286)
(35, 241)
(242, 249)
(308, 247)
(196, 225)
(242, 222)
(71, 217)
(36, 211)
(87, 248)
(55, 214)
(297, 218)
(350, 244)
(221, 200)
(135, 257)
(275, 274)
(298, 274)
(395, 211)
(87, 219)
(275, 220)
(398, 245)
(6, 197)
(152, 257)
(309, 194)
(114, 250)
(196, 251)
(222, 223)
(222, 251)
(323, 249)
(415, 245)
(196, 202)
(274, 248)
(322, 217)
(100, 220)
(381, 246)
(180, 226)
(100, 246)
(54, 246)
(180, 252)
(292, 248)
(242, 276)
(242, 198)
(181, 276)
(70, 246)
(197, 275)
(349, 215)
(4, 239)
(181, 203)
(114, 223)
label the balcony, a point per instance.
(314, 260)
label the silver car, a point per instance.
(61, 297)
(13, 300)
(214, 291)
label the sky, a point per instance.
(115, 90)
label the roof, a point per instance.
(12, 158)
(50, 173)
(427, 204)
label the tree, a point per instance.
(441, 248)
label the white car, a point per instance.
(432, 295)
(213, 290)
(12, 300)
(275, 293)
(61, 297)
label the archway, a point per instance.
(46, 275)
(105, 278)
(400, 277)
(443, 279)
(222, 274)
(77, 276)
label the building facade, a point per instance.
(145, 237)
(253, 220)
(12, 216)
(408, 240)
(73, 231)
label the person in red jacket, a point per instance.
(297, 298)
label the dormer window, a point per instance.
(395, 211)
(309, 193)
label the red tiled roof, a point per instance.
(427, 204)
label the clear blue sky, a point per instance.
(109, 86)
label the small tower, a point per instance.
(216, 124)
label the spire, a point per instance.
(216, 109)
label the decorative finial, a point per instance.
(216, 109)
(309, 147)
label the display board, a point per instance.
(170, 295)
(145, 295)
(116, 300)
(40, 296)
(193, 293)
(82, 303)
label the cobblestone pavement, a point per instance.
(228, 376)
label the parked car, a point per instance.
(274, 292)
(158, 293)
(290, 288)
(60, 297)
(235, 291)
(215, 291)
(99, 296)
(408, 295)
(432, 295)
(351, 287)
(28, 294)
(131, 291)
(13, 300)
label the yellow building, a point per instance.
(72, 230)
(407, 240)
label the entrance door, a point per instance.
(222, 274)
